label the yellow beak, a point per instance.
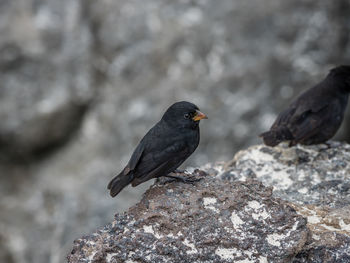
(199, 115)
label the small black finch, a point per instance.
(164, 148)
(316, 115)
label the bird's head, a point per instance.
(342, 75)
(183, 114)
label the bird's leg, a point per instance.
(328, 144)
(180, 171)
(184, 179)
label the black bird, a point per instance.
(164, 148)
(316, 115)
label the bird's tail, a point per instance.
(275, 136)
(119, 182)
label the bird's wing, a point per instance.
(307, 125)
(305, 116)
(135, 158)
(148, 142)
(309, 121)
(303, 107)
(311, 101)
(283, 118)
(303, 112)
(168, 154)
(161, 162)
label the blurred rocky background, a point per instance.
(83, 80)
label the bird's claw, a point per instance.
(191, 180)
(185, 179)
(180, 171)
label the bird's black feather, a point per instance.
(163, 149)
(316, 115)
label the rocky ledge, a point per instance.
(267, 205)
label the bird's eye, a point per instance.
(187, 116)
(303, 116)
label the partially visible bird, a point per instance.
(163, 149)
(316, 115)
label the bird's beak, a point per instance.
(199, 115)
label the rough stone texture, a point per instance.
(241, 61)
(229, 216)
(212, 221)
(316, 180)
(317, 175)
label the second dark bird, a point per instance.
(163, 149)
(316, 115)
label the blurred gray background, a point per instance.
(81, 81)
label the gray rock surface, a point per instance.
(316, 175)
(45, 71)
(301, 215)
(212, 221)
(84, 80)
(316, 181)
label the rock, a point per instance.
(240, 61)
(211, 221)
(45, 71)
(301, 215)
(315, 180)
(317, 175)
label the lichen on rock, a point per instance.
(315, 180)
(267, 205)
(211, 221)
